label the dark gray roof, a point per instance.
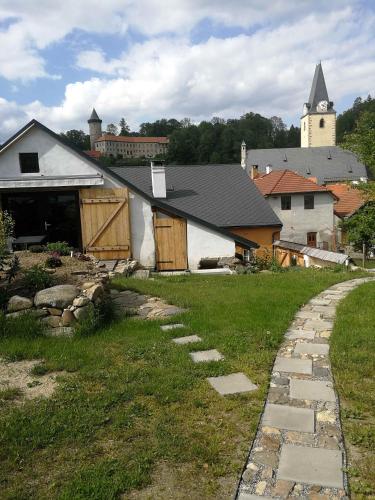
(221, 195)
(94, 116)
(318, 90)
(327, 163)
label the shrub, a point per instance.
(24, 326)
(53, 260)
(36, 278)
(62, 247)
(97, 318)
(4, 297)
(37, 248)
(6, 232)
(14, 267)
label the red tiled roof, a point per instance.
(349, 199)
(93, 154)
(126, 138)
(286, 181)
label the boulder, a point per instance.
(59, 296)
(87, 284)
(141, 274)
(67, 318)
(18, 303)
(54, 311)
(230, 262)
(81, 301)
(94, 292)
(84, 312)
(51, 321)
(36, 313)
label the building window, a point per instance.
(321, 123)
(309, 201)
(286, 202)
(29, 163)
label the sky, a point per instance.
(149, 59)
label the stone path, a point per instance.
(298, 450)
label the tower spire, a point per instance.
(318, 91)
(95, 128)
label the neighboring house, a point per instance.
(318, 157)
(120, 146)
(166, 218)
(304, 208)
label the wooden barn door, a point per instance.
(105, 222)
(170, 242)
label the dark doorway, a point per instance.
(311, 240)
(54, 214)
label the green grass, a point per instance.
(353, 361)
(369, 264)
(135, 412)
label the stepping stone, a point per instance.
(171, 327)
(309, 348)
(315, 390)
(318, 325)
(186, 340)
(293, 365)
(206, 356)
(316, 466)
(232, 384)
(308, 315)
(301, 334)
(319, 302)
(288, 417)
(250, 496)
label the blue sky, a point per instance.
(146, 60)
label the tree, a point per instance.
(112, 129)
(124, 127)
(346, 122)
(360, 227)
(362, 140)
(77, 138)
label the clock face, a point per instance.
(323, 106)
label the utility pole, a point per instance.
(364, 255)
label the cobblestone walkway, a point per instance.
(298, 450)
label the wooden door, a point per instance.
(170, 242)
(311, 240)
(105, 222)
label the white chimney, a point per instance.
(243, 155)
(159, 187)
(268, 169)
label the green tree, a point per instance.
(362, 140)
(360, 227)
(346, 122)
(112, 129)
(77, 138)
(124, 127)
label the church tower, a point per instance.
(318, 122)
(95, 128)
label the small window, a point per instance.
(309, 201)
(321, 123)
(286, 202)
(29, 163)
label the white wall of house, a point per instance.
(298, 221)
(55, 160)
(203, 242)
(142, 230)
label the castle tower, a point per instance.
(95, 128)
(318, 121)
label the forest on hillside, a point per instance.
(219, 140)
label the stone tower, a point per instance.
(318, 122)
(95, 128)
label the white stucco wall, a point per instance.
(203, 242)
(55, 159)
(297, 222)
(142, 230)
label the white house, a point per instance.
(168, 218)
(305, 208)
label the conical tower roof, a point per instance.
(318, 88)
(94, 116)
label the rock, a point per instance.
(266, 458)
(141, 274)
(36, 313)
(248, 475)
(261, 487)
(83, 312)
(50, 270)
(270, 442)
(60, 331)
(67, 318)
(326, 416)
(94, 292)
(87, 284)
(54, 311)
(81, 301)
(59, 296)
(230, 262)
(51, 321)
(282, 488)
(270, 430)
(18, 303)
(114, 292)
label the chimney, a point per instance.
(268, 169)
(159, 188)
(243, 155)
(254, 172)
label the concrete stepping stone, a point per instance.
(307, 465)
(249, 496)
(318, 325)
(293, 365)
(232, 384)
(189, 339)
(301, 334)
(288, 417)
(171, 327)
(315, 390)
(309, 348)
(206, 356)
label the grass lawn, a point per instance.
(135, 418)
(353, 362)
